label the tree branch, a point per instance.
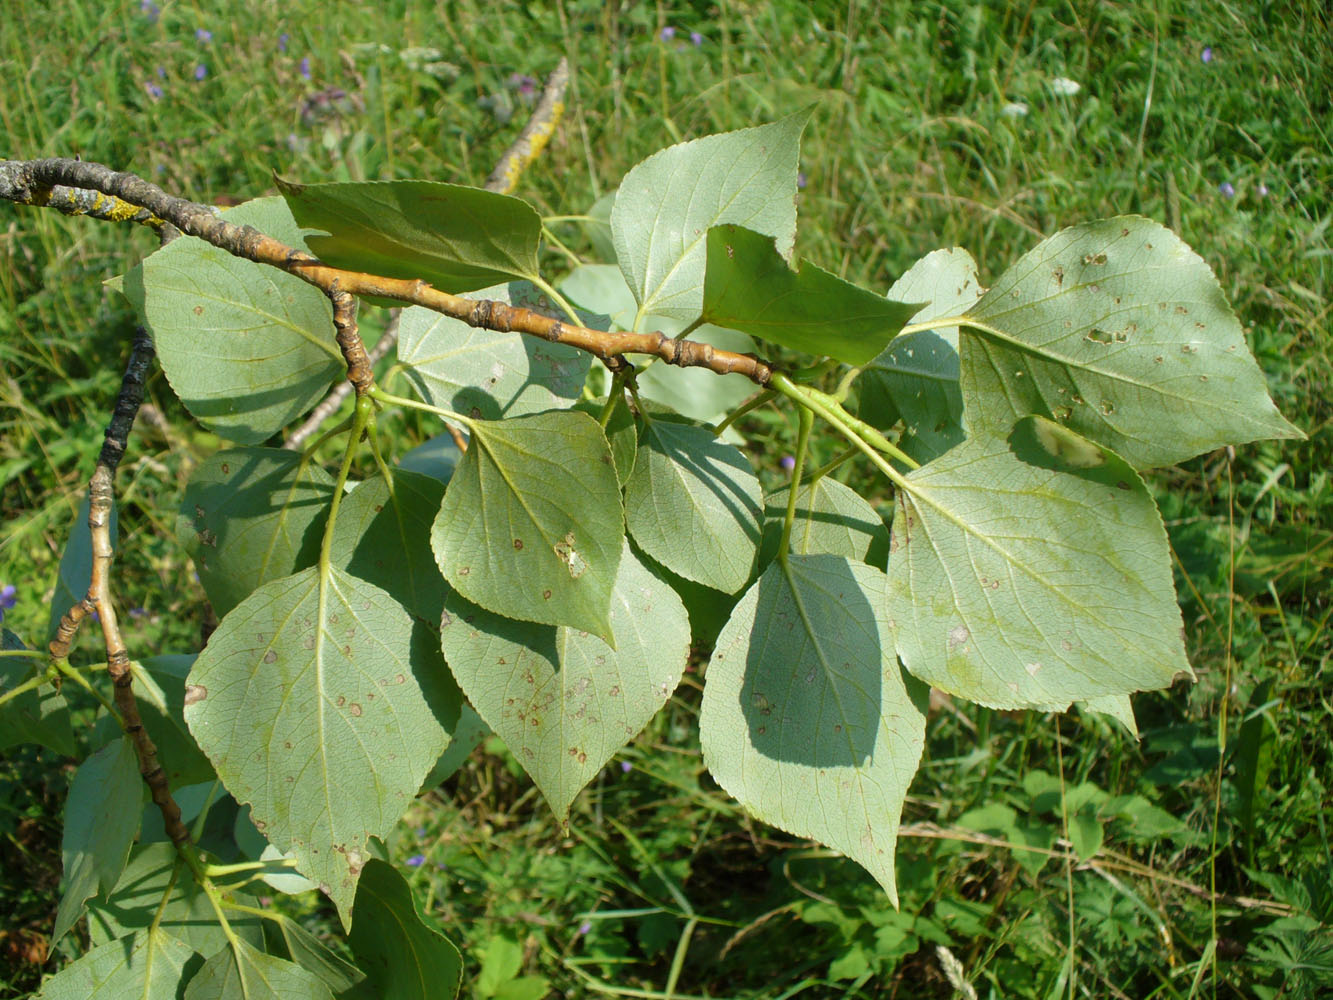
(30, 182)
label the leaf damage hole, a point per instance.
(568, 554)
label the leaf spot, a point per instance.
(1032, 668)
(355, 709)
(1095, 258)
(518, 543)
(567, 553)
(464, 571)
(958, 635)
(546, 594)
(195, 693)
(270, 657)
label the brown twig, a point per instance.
(101, 496)
(30, 181)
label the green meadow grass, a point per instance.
(1214, 874)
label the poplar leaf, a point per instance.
(251, 515)
(149, 964)
(1119, 331)
(322, 706)
(454, 237)
(806, 719)
(1032, 572)
(531, 522)
(749, 286)
(667, 204)
(830, 519)
(563, 700)
(242, 972)
(693, 504)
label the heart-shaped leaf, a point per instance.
(313, 686)
(806, 719)
(454, 237)
(248, 348)
(402, 953)
(749, 286)
(692, 503)
(667, 204)
(562, 700)
(1033, 572)
(531, 522)
(1121, 332)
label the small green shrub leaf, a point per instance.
(531, 523)
(242, 972)
(312, 686)
(403, 954)
(149, 964)
(667, 204)
(251, 515)
(101, 819)
(749, 286)
(693, 504)
(383, 536)
(563, 700)
(248, 348)
(490, 373)
(1033, 572)
(454, 237)
(830, 519)
(915, 378)
(806, 719)
(1121, 332)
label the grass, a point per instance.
(660, 877)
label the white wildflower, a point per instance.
(1014, 109)
(1065, 87)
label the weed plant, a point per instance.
(1206, 859)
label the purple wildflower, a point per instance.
(137, 613)
(8, 598)
(200, 71)
(203, 35)
(626, 767)
(584, 928)
(801, 179)
(667, 33)
(282, 41)
(149, 10)
(154, 91)
(415, 861)
(1262, 190)
(1207, 54)
(696, 38)
(1226, 190)
(161, 72)
(787, 462)
(305, 67)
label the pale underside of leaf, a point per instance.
(1023, 578)
(1121, 332)
(806, 719)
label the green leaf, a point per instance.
(101, 819)
(490, 373)
(915, 378)
(311, 687)
(157, 889)
(1118, 707)
(248, 348)
(749, 286)
(622, 433)
(454, 237)
(806, 719)
(830, 519)
(159, 688)
(383, 536)
(692, 392)
(1032, 572)
(667, 204)
(76, 565)
(467, 737)
(150, 964)
(251, 515)
(436, 457)
(1121, 332)
(311, 954)
(692, 503)
(403, 954)
(1085, 833)
(242, 972)
(562, 700)
(40, 715)
(532, 522)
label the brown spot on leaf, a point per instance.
(355, 709)
(195, 693)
